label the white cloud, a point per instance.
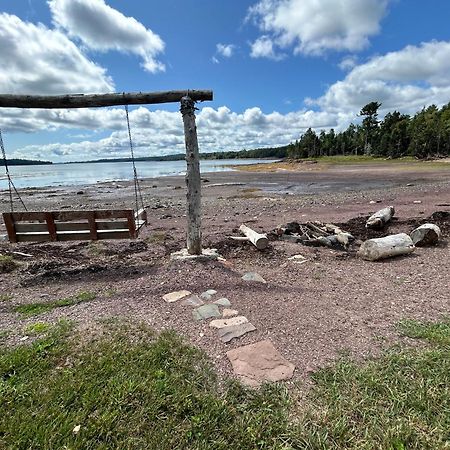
(226, 50)
(263, 47)
(348, 63)
(37, 60)
(313, 27)
(215, 60)
(103, 28)
(406, 80)
(161, 132)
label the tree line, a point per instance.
(424, 135)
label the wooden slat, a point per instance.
(10, 229)
(92, 226)
(66, 216)
(101, 225)
(73, 236)
(51, 226)
(24, 227)
(131, 225)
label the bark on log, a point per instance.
(95, 100)
(260, 241)
(386, 247)
(426, 234)
(380, 218)
(193, 181)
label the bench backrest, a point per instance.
(73, 225)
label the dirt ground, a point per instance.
(312, 312)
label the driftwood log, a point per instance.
(96, 100)
(426, 234)
(386, 247)
(380, 218)
(260, 241)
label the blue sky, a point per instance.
(276, 67)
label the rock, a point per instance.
(426, 234)
(222, 323)
(410, 184)
(226, 334)
(206, 312)
(417, 202)
(175, 296)
(229, 312)
(80, 192)
(253, 276)
(259, 363)
(223, 302)
(207, 295)
(194, 300)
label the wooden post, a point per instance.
(193, 182)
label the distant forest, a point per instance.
(424, 135)
(23, 162)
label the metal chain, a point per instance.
(137, 187)
(11, 185)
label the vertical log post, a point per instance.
(193, 182)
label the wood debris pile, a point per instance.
(315, 234)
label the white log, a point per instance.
(380, 218)
(386, 247)
(426, 234)
(260, 241)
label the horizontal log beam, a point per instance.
(96, 100)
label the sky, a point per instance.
(276, 67)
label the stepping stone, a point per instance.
(207, 295)
(193, 300)
(253, 276)
(222, 323)
(223, 302)
(229, 312)
(206, 312)
(259, 363)
(226, 334)
(175, 296)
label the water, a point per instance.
(89, 173)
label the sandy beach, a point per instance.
(312, 312)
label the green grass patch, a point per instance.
(7, 264)
(37, 328)
(5, 298)
(33, 309)
(435, 333)
(130, 389)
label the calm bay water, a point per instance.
(89, 173)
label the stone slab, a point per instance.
(206, 312)
(175, 296)
(223, 302)
(207, 254)
(259, 363)
(253, 276)
(226, 334)
(222, 323)
(229, 312)
(193, 300)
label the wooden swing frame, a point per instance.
(51, 226)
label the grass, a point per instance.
(33, 309)
(5, 298)
(130, 389)
(37, 328)
(7, 264)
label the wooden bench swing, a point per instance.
(52, 226)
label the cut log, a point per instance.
(386, 247)
(380, 218)
(260, 241)
(426, 234)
